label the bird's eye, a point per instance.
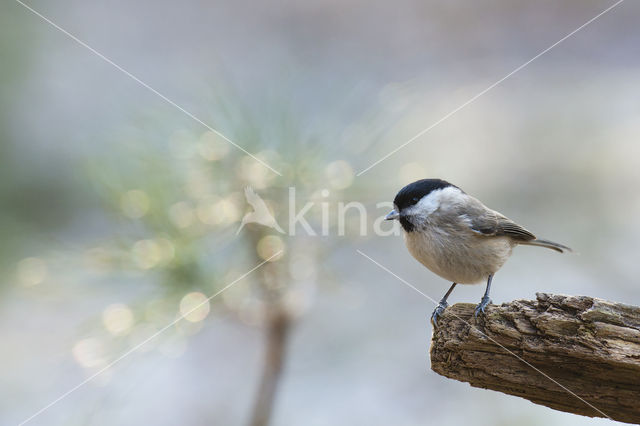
(415, 200)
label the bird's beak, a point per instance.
(392, 215)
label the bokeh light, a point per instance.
(268, 246)
(411, 172)
(118, 319)
(194, 306)
(150, 253)
(254, 173)
(229, 210)
(114, 230)
(89, 352)
(189, 328)
(217, 211)
(212, 146)
(340, 174)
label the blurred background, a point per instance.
(119, 212)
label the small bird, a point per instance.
(456, 236)
(260, 213)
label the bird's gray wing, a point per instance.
(484, 221)
(497, 225)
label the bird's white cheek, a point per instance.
(425, 206)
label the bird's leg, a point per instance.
(441, 306)
(485, 299)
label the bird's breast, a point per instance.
(462, 258)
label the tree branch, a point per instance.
(278, 324)
(587, 352)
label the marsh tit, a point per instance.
(456, 236)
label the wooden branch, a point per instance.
(589, 346)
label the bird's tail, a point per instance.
(548, 244)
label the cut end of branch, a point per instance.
(571, 353)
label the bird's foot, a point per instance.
(482, 305)
(437, 312)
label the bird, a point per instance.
(260, 213)
(457, 237)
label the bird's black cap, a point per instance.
(412, 193)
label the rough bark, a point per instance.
(586, 351)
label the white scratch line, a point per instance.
(142, 83)
(139, 345)
(490, 338)
(490, 87)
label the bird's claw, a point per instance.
(482, 305)
(437, 312)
